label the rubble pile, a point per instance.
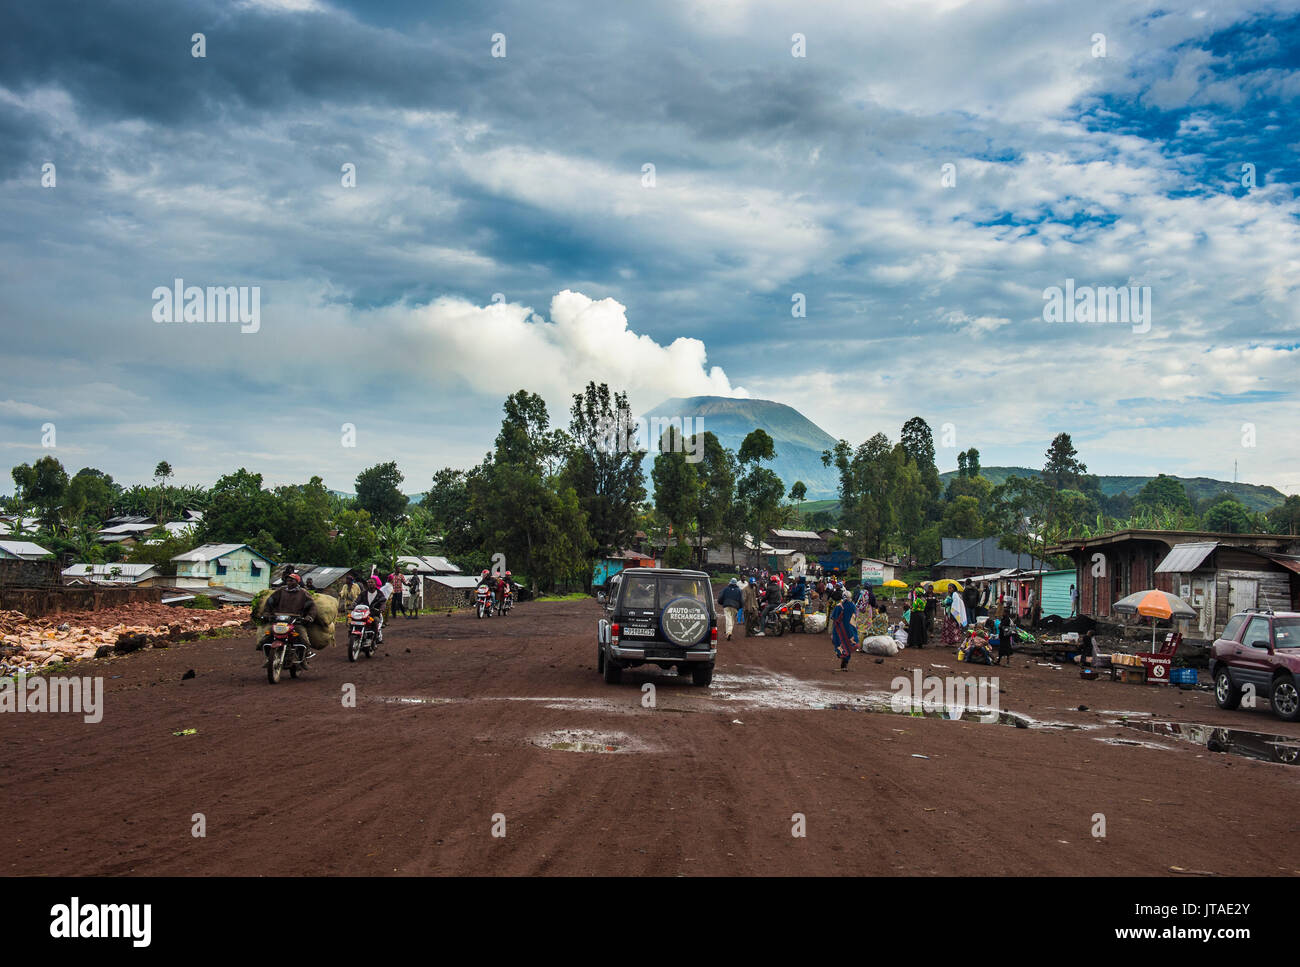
(28, 643)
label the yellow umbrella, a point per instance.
(947, 584)
(894, 583)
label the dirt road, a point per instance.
(451, 736)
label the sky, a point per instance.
(438, 204)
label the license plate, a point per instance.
(280, 628)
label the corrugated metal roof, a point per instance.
(210, 551)
(982, 552)
(1186, 557)
(455, 581)
(798, 535)
(24, 549)
(106, 570)
(323, 577)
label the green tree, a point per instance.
(676, 486)
(918, 442)
(756, 447)
(604, 466)
(379, 492)
(1062, 468)
(355, 544)
(90, 494)
(716, 476)
(1228, 516)
(1285, 517)
(761, 491)
(447, 502)
(961, 518)
(972, 462)
(42, 485)
(1163, 493)
(241, 512)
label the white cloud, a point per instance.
(502, 347)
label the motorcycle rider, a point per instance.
(507, 586)
(373, 598)
(290, 598)
(771, 601)
(487, 580)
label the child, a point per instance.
(1004, 640)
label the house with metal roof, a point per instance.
(134, 575)
(23, 551)
(234, 566)
(965, 557)
(806, 542)
(1217, 574)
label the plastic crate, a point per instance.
(1183, 676)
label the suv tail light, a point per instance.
(713, 635)
(613, 632)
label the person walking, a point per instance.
(844, 636)
(1074, 601)
(750, 605)
(731, 600)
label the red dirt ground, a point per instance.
(292, 782)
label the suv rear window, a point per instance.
(676, 587)
(640, 593)
(1286, 632)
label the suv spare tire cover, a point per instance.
(684, 621)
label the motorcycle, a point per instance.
(483, 605)
(794, 614)
(778, 620)
(286, 645)
(507, 601)
(362, 633)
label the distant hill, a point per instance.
(1255, 497)
(799, 441)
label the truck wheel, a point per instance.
(613, 672)
(1226, 694)
(702, 675)
(1285, 699)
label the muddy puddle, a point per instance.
(1263, 746)
(587, 740)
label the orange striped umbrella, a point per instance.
(1154, 604)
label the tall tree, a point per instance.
(756, 447)
(1062, 469)
(379, 493)
(677, 492)
(604, 467)
(42, 485)
(717, 483)
(972, 462)
(918, 441)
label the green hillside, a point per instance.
(1254, 496)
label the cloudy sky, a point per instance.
(504, 232)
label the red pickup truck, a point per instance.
(1259, 656)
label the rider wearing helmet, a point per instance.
(506, 586)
